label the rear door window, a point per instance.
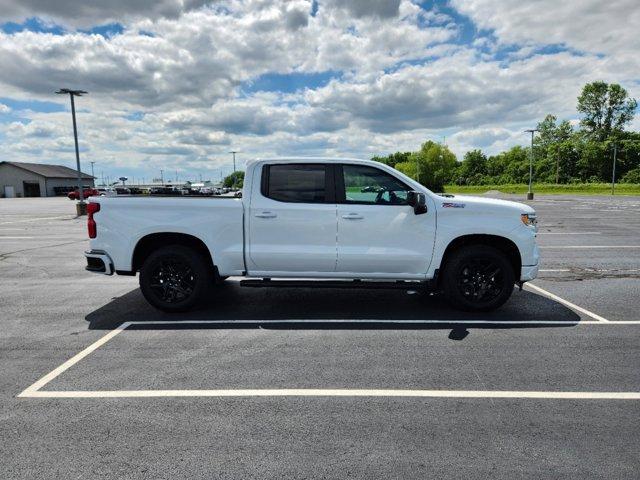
(296, 183)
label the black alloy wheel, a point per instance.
(175, 278)
(478, 278)
(172, 280)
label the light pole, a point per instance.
(613, 175)
(92, 164)
(234, 159)
(81, 208)
(161, 177)
(233, 152)
(530, 192)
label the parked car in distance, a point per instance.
(106, 192)
(311, 223)
(164, 191)
(86, 193)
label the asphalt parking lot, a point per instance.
(305, 383)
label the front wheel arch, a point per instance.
(503, 244)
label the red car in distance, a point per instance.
(87, 192)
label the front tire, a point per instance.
(478, 278)
(175, 278)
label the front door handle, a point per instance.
(266, 215)
(352, 216)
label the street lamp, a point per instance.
(81, 208)
(530, 193)
(613, 174)
(233, 152)
(234, 159)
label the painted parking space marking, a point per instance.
(34, 391)
(566, 303)
(585, 247)
(27, 220)
(567, 233)
(345, 392)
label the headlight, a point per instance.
(529, 219)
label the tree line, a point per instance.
(562, 153)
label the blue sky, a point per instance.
(177, 87)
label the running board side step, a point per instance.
(399, 284)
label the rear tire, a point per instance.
(175, 278)
(478, 278)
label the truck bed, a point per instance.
(123, 221)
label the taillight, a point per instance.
(91, 223)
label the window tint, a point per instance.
(371, 185)
(302, 183)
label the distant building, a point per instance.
(18, 179)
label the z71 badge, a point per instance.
(453, 205)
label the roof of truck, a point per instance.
(312, 159)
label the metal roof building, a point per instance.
(18, 179)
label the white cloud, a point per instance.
(4, 108)
(401, 75)
(94, 12)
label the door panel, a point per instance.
(292, 227)
(378, 233)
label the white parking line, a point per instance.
(569, 233)
(73, 360)
(566, 303)
(346, 392)
(14, 238)
(583, 247)
(37, 219)
(33, 391)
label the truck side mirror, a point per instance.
(418, 201)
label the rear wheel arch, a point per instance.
(152, 242)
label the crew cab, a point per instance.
(317, 222)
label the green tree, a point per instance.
(393, 159)
(511, 166)
(551, 132)
(606, 109)
(235, 180)
(434, 166)
(551, 145)
(473, 168)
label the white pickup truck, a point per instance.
(317, 223)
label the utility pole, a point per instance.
(530, 192)
(81, 207)
(92, 164)
(234, 159)
(613, 175)
(161, 177)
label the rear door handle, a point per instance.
(352, 216)
(266, 215)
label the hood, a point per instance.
(483, 203)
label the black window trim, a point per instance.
(341, 191)
(329, 181)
